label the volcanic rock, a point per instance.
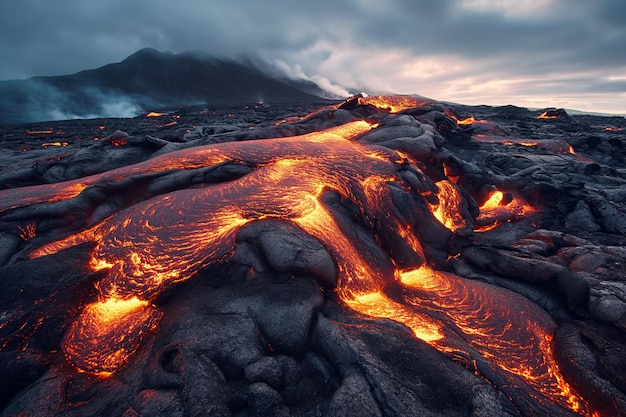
(285, 249)
(279, 313)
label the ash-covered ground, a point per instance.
(374, 307)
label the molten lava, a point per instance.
(485, 318)
(556, 146)
(117, 142)
(166, 239)
(391, 104)
(500, 208)
(40, 132)
(447, 210)
(549, 114)
(48, 144)
(394, 104)
(28, 232)
(100, 341)
(168, 124)
(467, 121)
(155, 114)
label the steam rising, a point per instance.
(111, 106)
(281, 69)
(37, 100)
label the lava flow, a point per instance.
(166, 239)
(555, 146)
(499, 208)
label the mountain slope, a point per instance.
(144, 80)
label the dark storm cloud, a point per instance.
(400, 45)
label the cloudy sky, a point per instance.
(534, 53)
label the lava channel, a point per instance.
(166, 239)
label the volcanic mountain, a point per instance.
(146, 79)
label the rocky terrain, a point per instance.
(307, 259)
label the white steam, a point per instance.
(281, 69)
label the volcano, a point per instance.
(145, 80)
(383, 256)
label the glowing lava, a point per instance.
(40, 132)
(467, 121)
(89, 344)
(391, 104)
(168, 124)
(155, 114)
(147, 247)
(549, 114)
(48, 144)
(521, 354)
(556, 146)
(500, 208)
(394, 104)
(166, 239)
(447, 210)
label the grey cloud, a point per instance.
(65, 36)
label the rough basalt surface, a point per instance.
(263, 332)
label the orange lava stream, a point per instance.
(468, 120)
(447, 210)
(497, 210)
(155, 114)
(48, 144)
(168, 238)
(101, 320)
(523, 354)
(183, 159)
(556, 146)
(147, 247)
(545, 115)
(394, 104)
(298, 118)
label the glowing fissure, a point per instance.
(555, 146)
(548, 115)
(500, 208)
(447, 210)
(495, 332)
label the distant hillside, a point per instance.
(145, 80)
